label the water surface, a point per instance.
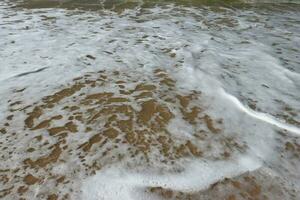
(149, 99)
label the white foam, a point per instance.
(209, 57)
(118, 183)
(261, 116)
(180, 128)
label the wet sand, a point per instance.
(149, 101)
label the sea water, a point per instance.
(149, 99)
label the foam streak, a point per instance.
(258, 115)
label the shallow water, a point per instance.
(149, 100)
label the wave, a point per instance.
(108, 4)
(260, 116)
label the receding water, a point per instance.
(149, 99)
